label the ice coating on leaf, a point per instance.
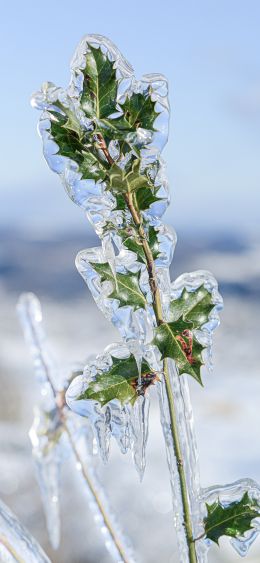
(78, 62)
(92, 411)
(234, 492)
(124, 317)
(55, 103)
(192, 281)
(16, 543)
(127, 424)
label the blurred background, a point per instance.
(210, 53)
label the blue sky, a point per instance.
(210, 53)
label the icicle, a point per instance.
(16, 543)
(119, 425)
(92, 410)
(127, 424)
(139, 426)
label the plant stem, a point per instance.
(158, 311)
(180, 467)
(157, 307)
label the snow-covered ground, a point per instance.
(226, 412)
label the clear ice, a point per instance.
(129, 426)
(46, 429)
(54, 438)
(16, 543)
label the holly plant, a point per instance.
(104, 137)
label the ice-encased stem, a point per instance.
(115, 545)
(157, 307)
(180, 466)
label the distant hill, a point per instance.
(46, 265)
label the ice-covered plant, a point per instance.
(104, 136)
(58, 434)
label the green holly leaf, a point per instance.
(120, 202)
(91, 167)
(68, 141)
(98, 98)
(71, 120)
(76, 146)
(132, 242)
(176, 339)
(126, 287)
(138, 111)
(145, 197)
(194, 306)
(231, 520)
(120, 382)
(126, 181)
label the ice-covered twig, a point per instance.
(16, 543)
(59, 421)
